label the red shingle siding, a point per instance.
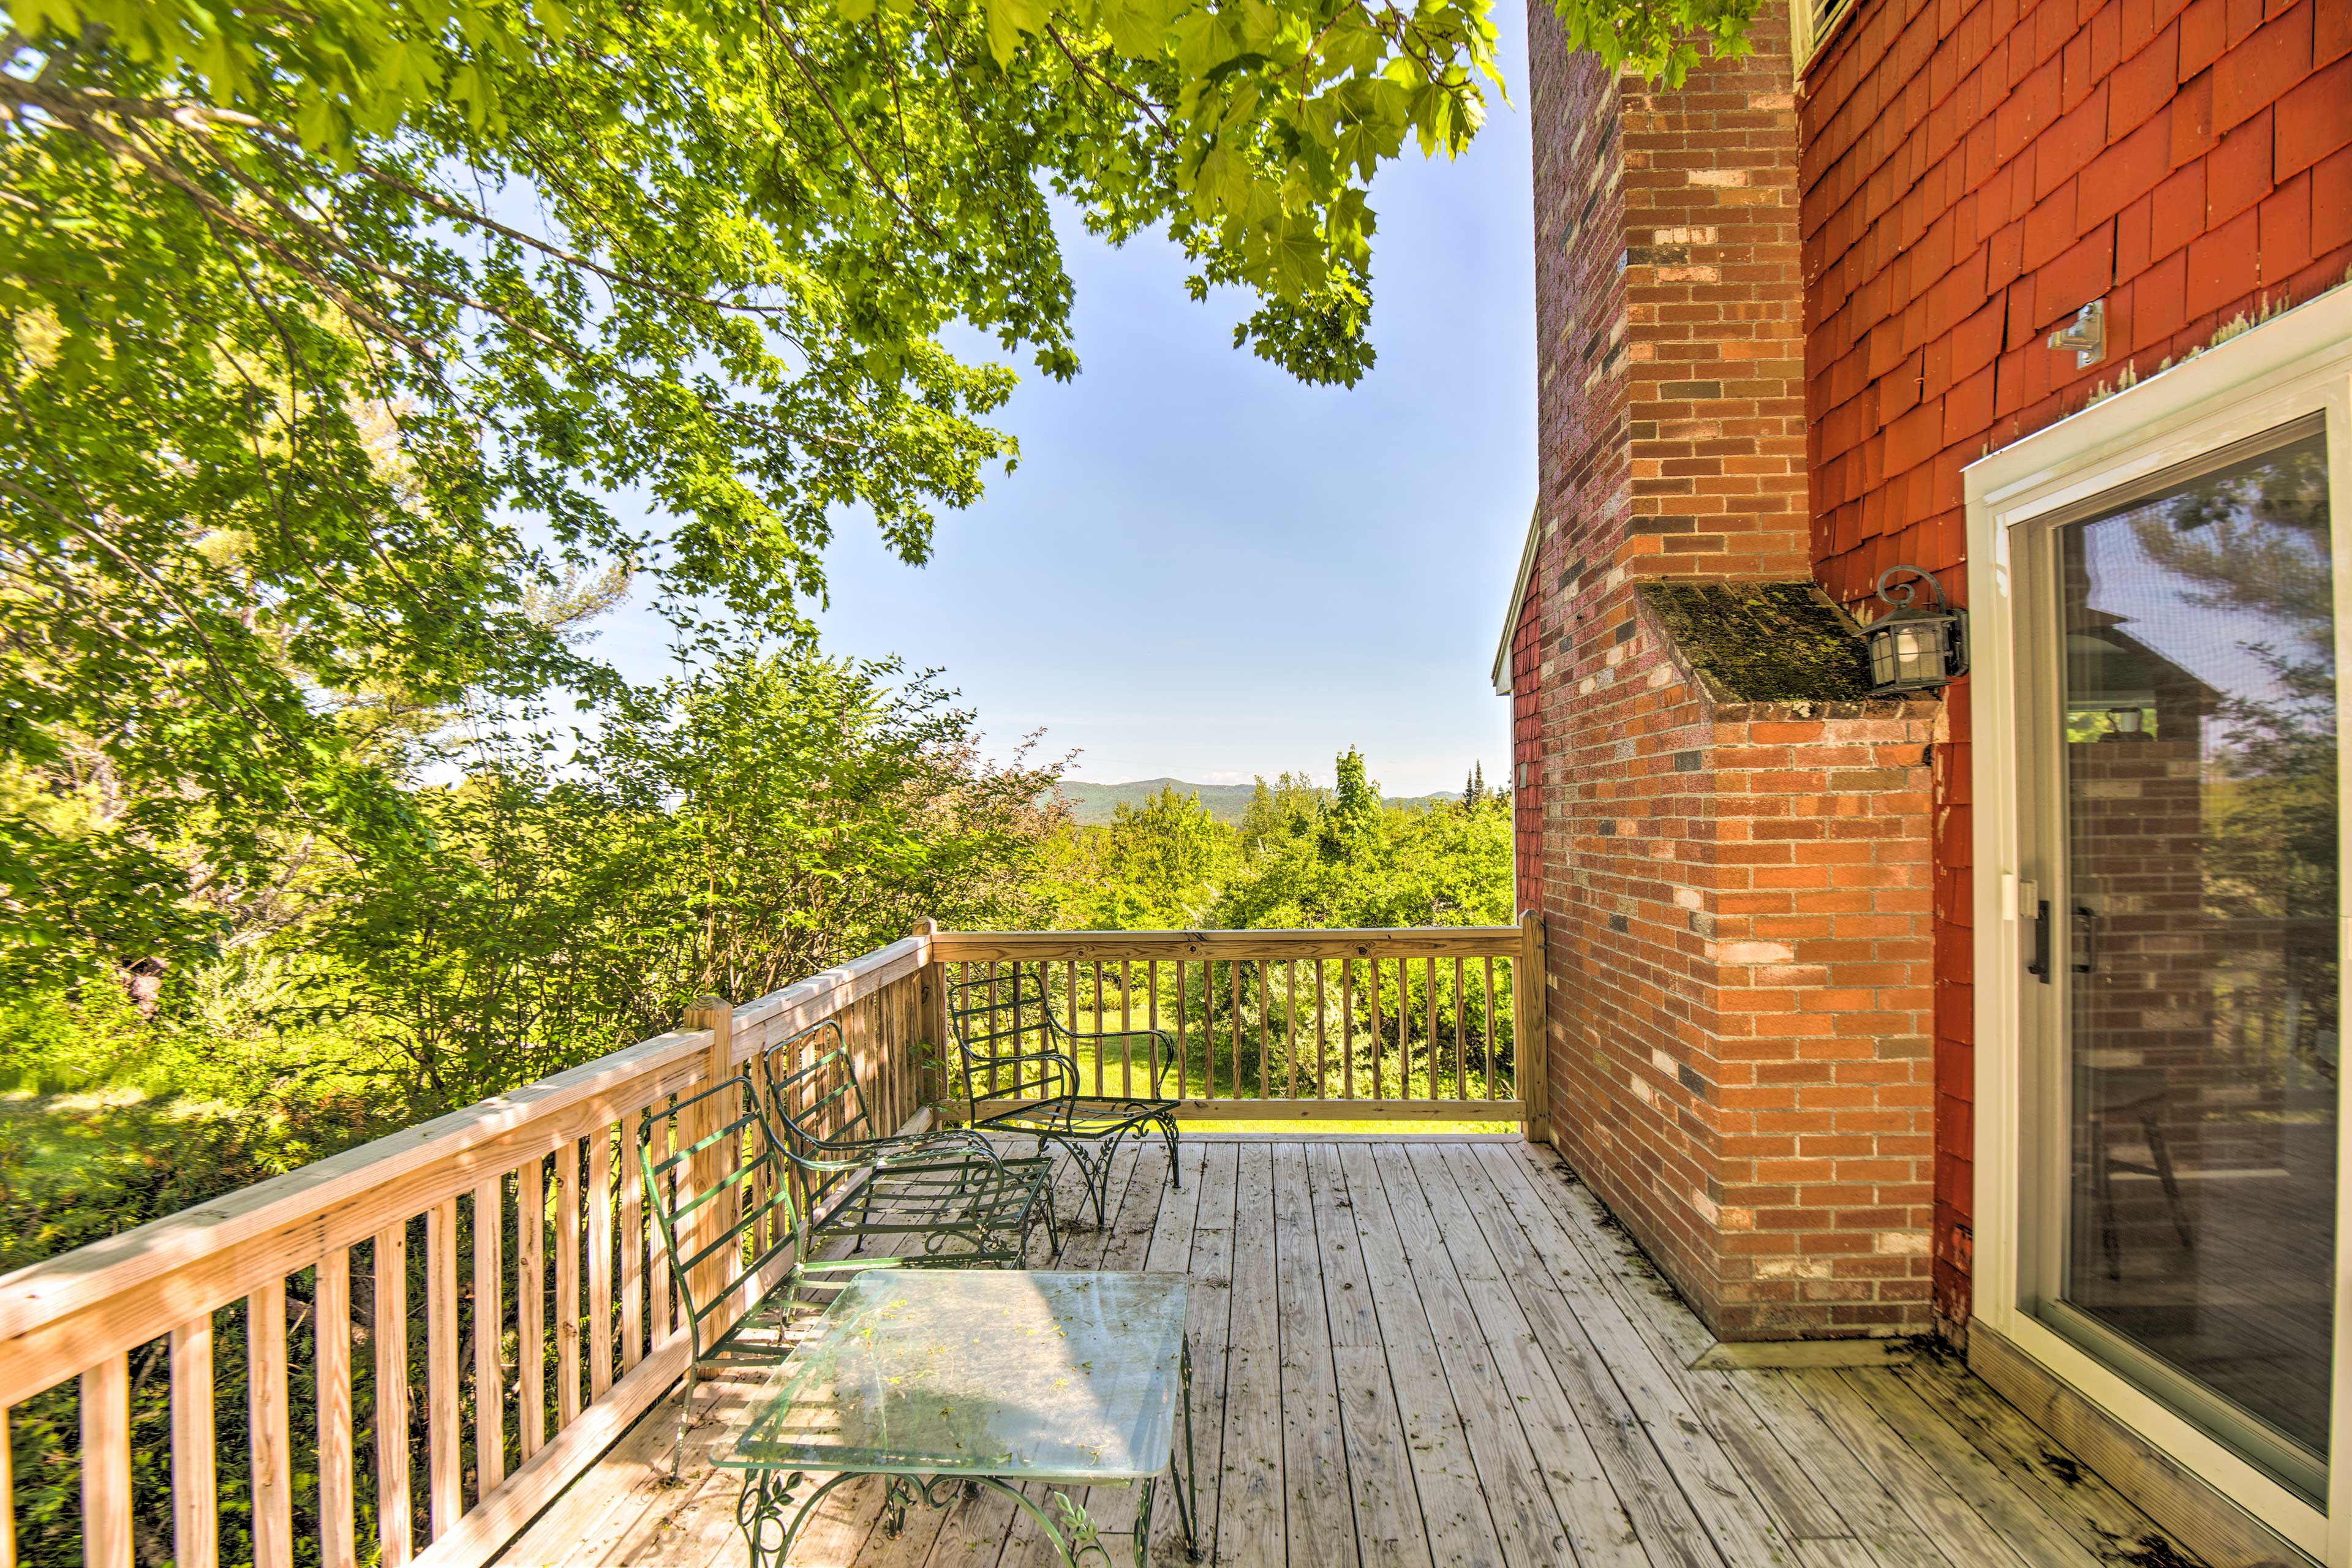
(1973, 172)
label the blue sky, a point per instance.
(1204, 568)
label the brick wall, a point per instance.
(1973, 172)
(1526, 750)
(1714, 371)
(1741, 957)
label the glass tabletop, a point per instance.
(1061, 1376)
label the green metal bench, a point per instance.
(994, 1018)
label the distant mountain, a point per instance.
(1093, 803)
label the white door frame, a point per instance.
(2288, 367)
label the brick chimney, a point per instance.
(1731, 856)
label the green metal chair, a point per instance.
(759, 1243)
(769, 1246)
(951, 1191)
(1009, 1042)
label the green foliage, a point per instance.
(755, 820)
(1302, 857)
(1658, 39)
(330, 327)
(1158, 867)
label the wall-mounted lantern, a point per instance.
(1914, 649)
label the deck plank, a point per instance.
(1607, 1261)
(2018, 1517)
(1250, 1480)
(1209, 1322)
(2091, 1510)
(1940, 1513)
(1389, 1529)
(1411, 1354)
(1491, 1358)
(1319, 1491)
(1567, 1308)
(1541, 1330)
(1495, 1513)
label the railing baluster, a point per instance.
(195, 1480)
(1181, 990)
(1264, 1038)
(600, 1262)
(391, 1335)
(1378, 1041)
(1234, 979)
(1151, 1014)
(1461, 1061)
(7, 1496)
(1322, 1040)
(441, 1436)
(1070, 1015)
(1097, 966)
(1512, 1013)
(106, 1464)
(632, 1249)
(1429, 1000)
(490, 1333)
(1126, 1030)
(567, 1283)
(1487, 1030)
(1290, 1029)
(269, 1432)
(530, 1305)
(1347, 1027)
(331, 1308)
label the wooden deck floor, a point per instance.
(1438, 1353)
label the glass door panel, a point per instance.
(2196, 941)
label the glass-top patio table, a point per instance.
(947, 1379)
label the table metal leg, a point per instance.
(1186, 1487)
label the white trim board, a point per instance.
(1501, 672)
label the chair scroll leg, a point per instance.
(685, 1425)
(1167, 1121)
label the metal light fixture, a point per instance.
(1911, 650)
(2086, 334)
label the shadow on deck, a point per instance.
(1437, 1352)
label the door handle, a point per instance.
(2039, 967)
(2087, 952)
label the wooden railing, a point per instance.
(1374, 1024)
(437, 1331)
(475, 1308)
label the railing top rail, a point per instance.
(1087, 946)
(74, 1281)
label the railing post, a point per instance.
(1530, 992)
(931, 1090)
(717, 1015)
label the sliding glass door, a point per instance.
(2181, 815)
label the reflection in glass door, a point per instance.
(2195, 941)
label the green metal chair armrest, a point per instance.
(1163, 1057)
(892, 1152)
